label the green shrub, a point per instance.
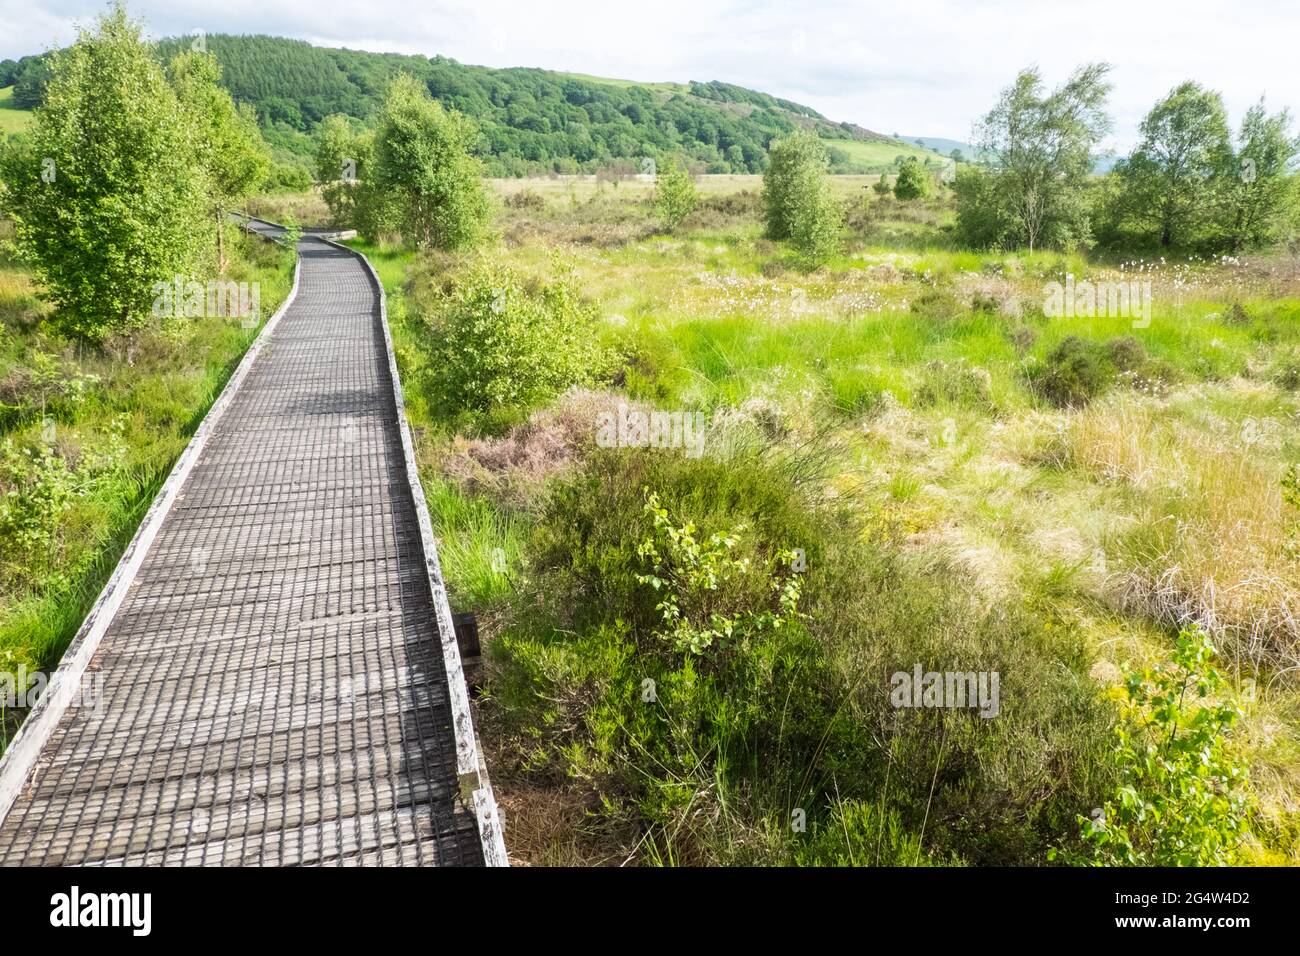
(1079, 370)
(649, 650)
(691, 576)
(1074, 373)
(290, 177)
(701, 741)
(1183, 796)
(526, 198)
(913, 181)
(797, 198)
(38, 488)
(495, 342)
(674, 195)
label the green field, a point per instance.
(877, 155)
(664, 87)
(12, 120)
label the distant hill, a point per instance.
(531, 120)
(878, 156)
(1103, 163)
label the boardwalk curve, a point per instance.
(270, 677)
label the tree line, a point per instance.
(127, 177)
(1190, 183)
(528, 121)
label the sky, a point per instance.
(916, 67)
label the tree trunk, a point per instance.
(221, 246)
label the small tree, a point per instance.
(1168, 181)
(231, 154)
(105, 193)
(424, 165)
(881, 187)
(338, 165)
(1039, 150)
(674, 195)
(913, 181)
(797, 198)
(1257, 186)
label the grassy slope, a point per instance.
(880, 155)
(667, 88)
(12, 120)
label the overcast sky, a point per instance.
(917, 67)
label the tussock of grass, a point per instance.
(1211, 541)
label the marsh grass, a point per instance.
(977, 521)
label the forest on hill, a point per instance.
(530, 120)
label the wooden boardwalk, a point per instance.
(277, 679)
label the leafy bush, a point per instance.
(496, 342)
(647, 667)
(701, 740)
(913, 180)
(1079, 370)
(1074, 373)
(424, 165)
(797, 198)
(674, 195)
(881, 186)
(38, 486)
(1182, 798)
(526, 199)
(692, 575)
(290, 177)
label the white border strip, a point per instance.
(18, 762)
(471, 772)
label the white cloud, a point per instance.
(928, 67)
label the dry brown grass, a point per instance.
(1210, 545)
(306, 209)
(513, 468)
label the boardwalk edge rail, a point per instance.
(471, 770)
(20, 758)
